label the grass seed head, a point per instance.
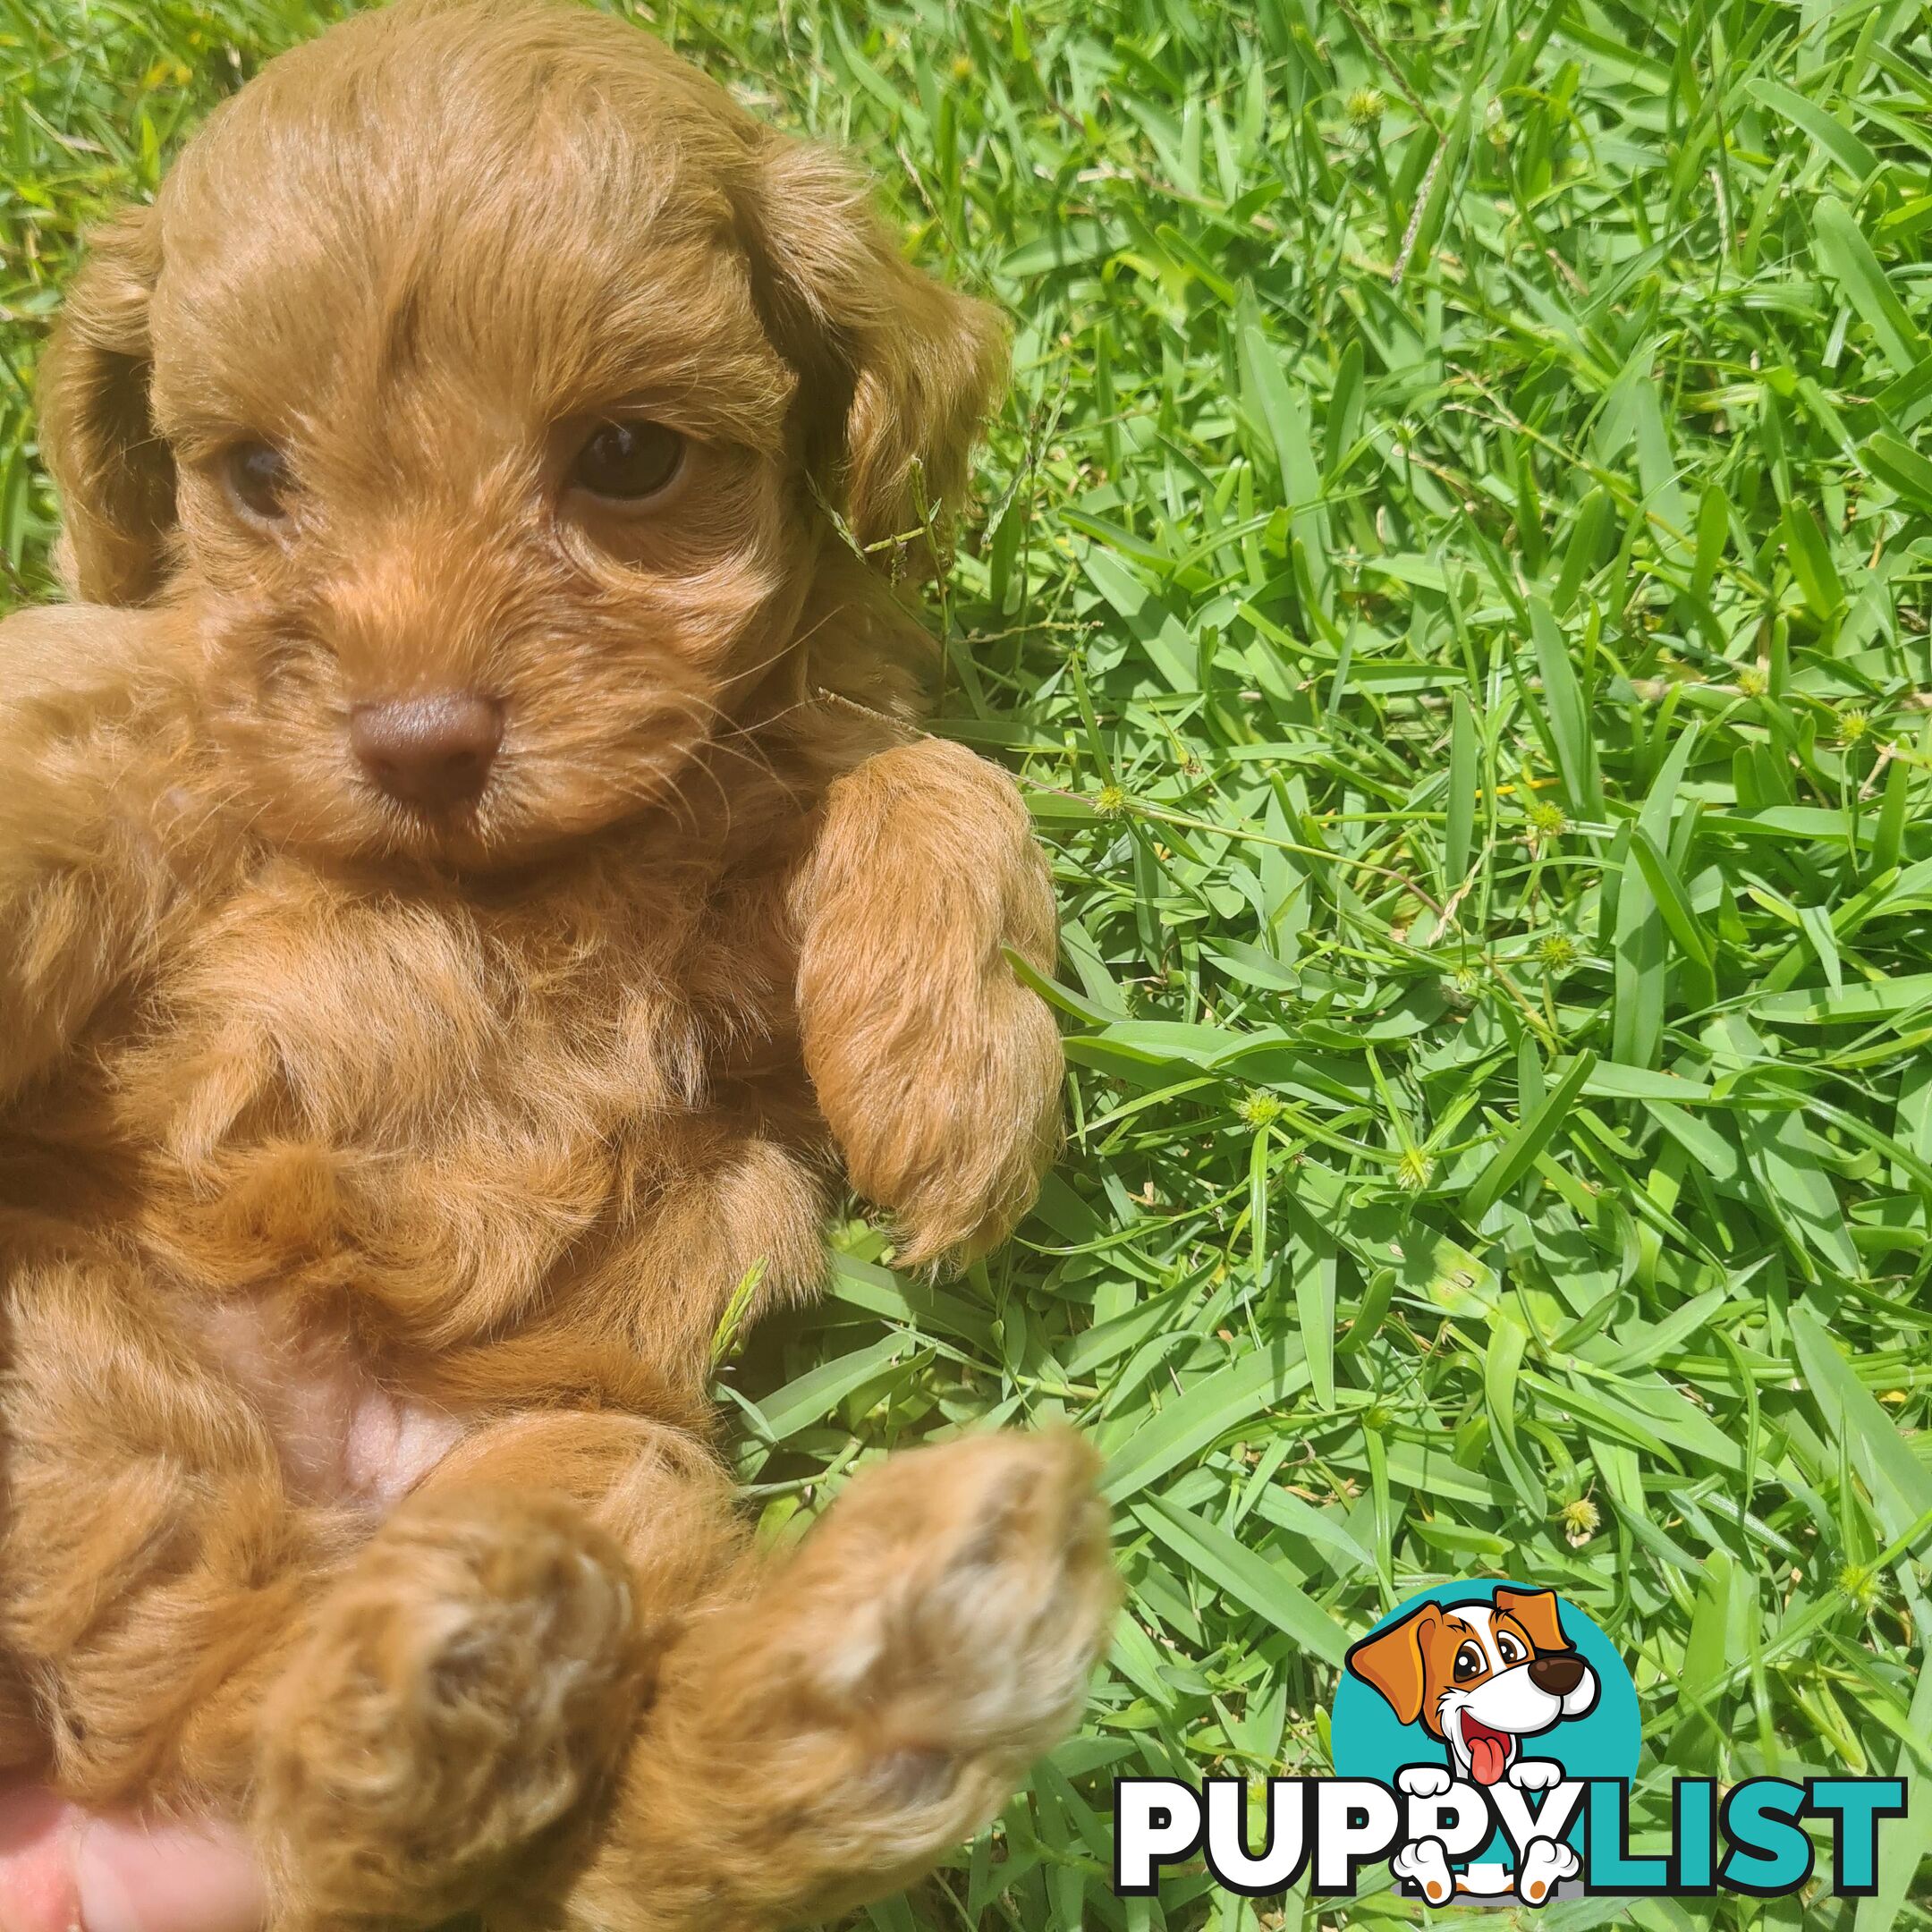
(1557, 953)
(1580, 1520)
(1857, 1583)
(1366, 107)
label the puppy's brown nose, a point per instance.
(1559, 1673)
(432, 752)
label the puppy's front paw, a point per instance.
(1422, 1780)
(1536, 1773)
(468, 1681)
(937, 1071)
(1545, 1864)
(955, 1141)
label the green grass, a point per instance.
(1452, 576)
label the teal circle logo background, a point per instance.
(1367, 1741)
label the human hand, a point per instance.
(63, 1869)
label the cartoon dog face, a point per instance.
(1481, 1677)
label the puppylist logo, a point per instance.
(1485, 1736)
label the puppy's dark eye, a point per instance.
(1469, 1663)
(627, 462)
(258, 476)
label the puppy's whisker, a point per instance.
(759, 763)
(725, 799)
(795, 642)
(697, 707)
(659, 784)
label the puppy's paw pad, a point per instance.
(980, 1595)
(467, 1683)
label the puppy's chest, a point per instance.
(338, 1083)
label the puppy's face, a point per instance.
(488, 532)
(1481, 1676)
(496, 357)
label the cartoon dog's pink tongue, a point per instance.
(1488, 1750)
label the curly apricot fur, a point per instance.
(374, 1178)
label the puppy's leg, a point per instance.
(98, 836)
(837, 1720)
(937, 1071)
(743, 1207)
(462, 1693)
(418, 1716)
(151, 1559)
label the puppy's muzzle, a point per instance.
(434, 753)
(1559, 1672)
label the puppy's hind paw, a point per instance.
(1424, 1864)
(955, 1601)
(1545, 1865)
(468, 1682)
(844, 1714)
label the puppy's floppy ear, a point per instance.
(1535, 1611)
(896, 372)
(115, 477)
(1391, 1662)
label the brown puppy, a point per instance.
(468, 878)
